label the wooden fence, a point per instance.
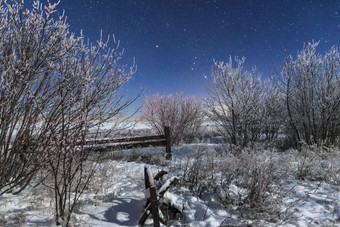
(155, 189)
(108, 144)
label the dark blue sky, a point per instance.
(174, 42)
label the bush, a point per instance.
(183, 115)
(250, 180)
(310, 85)
(315, 163)
(55, 87)
(240, 104)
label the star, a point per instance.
(183, 37)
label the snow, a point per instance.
(319, 204)
(119, 200)
(124, 126)
(166, 185)
(121, 211)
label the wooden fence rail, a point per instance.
(155, 189)
(109, 144)
(151, 200)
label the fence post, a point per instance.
(154, 206)
(167, 142)
(151, 199)
(146, 177)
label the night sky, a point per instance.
(174, 42)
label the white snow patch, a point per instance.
(120, 201)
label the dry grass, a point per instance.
(251, 180)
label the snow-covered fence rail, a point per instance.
(155, 189)
(151, 203)
(109, 144)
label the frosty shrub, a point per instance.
(260, 180)
(310, 84)
(250, 180)
(13, 219)
(274, 124)
(308, 165)
(3, 220)
(31, 47)
(183, 115)
(257, 189)
(318, 164)
(54, 88)
(237, 104)
(197, 171)
(19, 219)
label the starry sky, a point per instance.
(174, 42)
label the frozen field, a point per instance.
(116, 195)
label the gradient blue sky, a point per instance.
(174, 42)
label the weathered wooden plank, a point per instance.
(147, 185)
(111, 144)
(151, 199)
(145, 214)
(154, 206)
(123, 140)
(112, 147)
(149, 177)
(160, 175)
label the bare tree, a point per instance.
(236, 102)
(87, 87)
(54, 88)
(183, 115)
(274, 114)
(310, 85)
(31, 46)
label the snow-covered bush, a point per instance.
(183, 115)
(317, 164)
(274, 133)
(54, 88)
(310, 84)
(237, 104)
(250, 180)
(308, 165)
(3, 220)
(256, 186)
(31, 47)
(197, 170)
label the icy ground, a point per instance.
(119, 197)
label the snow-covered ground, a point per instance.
(117, 199)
